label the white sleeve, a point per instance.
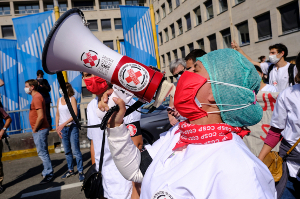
(126, 155)
(279, 116)
(264, 67)
(295, 71)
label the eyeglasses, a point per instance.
(180, 73)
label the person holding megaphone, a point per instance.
(204, 156)
(115, 186)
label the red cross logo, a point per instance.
(90, 59)
(133, 76)
(274, 83)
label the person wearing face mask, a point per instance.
(69, 133)
(280, 73)
(115, 186)
(40, 128)
(204, 156)
(263, 85)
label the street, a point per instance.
(22, 177)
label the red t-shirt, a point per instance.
(38, 102)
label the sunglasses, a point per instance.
(180, 73)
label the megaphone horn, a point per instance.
(72, 46)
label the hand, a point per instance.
(173, 121)
(34, 130)
(59, 128)
(1, 133)
(102, 104)
(117, 117)
(174, 112)
(235, 46)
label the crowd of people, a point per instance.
(203, 154)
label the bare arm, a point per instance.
(1, 82)
(264, 152)
(74, 106)
(138, 141)
(57, 120)
(92, 152)
(6, 125)
(39, 120)
(235, 46)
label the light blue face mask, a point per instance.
(178, 77)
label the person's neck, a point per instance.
(212, 118)
(281, 63)
(33, 92)
(262, 85)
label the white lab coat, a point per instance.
(114, 184)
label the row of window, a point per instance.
(105, 24)
(223, 6)
(289, 20)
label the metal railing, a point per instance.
(107, 7)
(135, 4)
(27, 11)
(85, 8)
(5, 12)
(60, 9)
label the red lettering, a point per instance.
(263, 127)
(265, 108)
(272, 101)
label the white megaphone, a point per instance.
(70, 45)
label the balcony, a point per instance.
(26, 8)
(27, 11)
(84, 5)
(4, 12)
(85, 8)
(136, 4)
(109, 4)
(105, 7)
(60, 9)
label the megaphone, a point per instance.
(70, 45)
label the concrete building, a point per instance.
(185, 25)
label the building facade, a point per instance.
(185, 25)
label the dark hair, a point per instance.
(70, 89)
(297, 78)
(258, 69)
(261, 58)
(280, 48)
(194, 54)
(32, 82)
(40, 72)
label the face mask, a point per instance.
(27, 91)
(96, 85)
(273, 59)
(61, 92)
(178, 77)
(187, 104)
(39, 78)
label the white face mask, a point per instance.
(178, 77)
(40, 78)
(227, 84)
(61, 92)
(274, 59)
(27, 91)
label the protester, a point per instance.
(191, 58)
(40, 128)
(114, 184)
(280, 72)
(263, 85)
(69, 133)
(203, 157)
(44, 89)
(262, 59)
(3, 127)
(285, 123)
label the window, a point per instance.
(163, 7)
(264, 26)
(290, 17)
(191, 46)
(105, 24)
(172, 30)
(109, 4)
(132, 3)
(93, 25)
(109, 44)
(223, 5)
(170, 5)
(201, 44)
(179, 23)
(118, 24)
(163, 60)
(169, 58)
(158, 16)
(243, 33)
(28, 9)
(4, 10)
(84, 5)
(182, 50)
(166, 34)
(226, 38)
(7, 31)
(62, 7)
(239, 1)
(198, 15)
(177, 3)
(213, 42)
(188, 21)
(175, 54)
(161, 38)
(86, 93)
(209, 9)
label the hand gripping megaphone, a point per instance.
(70, 45)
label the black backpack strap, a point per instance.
(102, 153)
(291, 74)
(269, 71)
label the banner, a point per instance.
(122, 48)
(9, 75)
(138, 34)
(255, 140)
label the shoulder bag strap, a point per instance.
(292, 148)
(102, 152)
(269, 71)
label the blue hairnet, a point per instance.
(229, 66)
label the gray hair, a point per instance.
(175, 63)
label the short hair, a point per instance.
(175, 63)
(32, 82)
(280, 47)
(40, 72)
(261, 58)
(297, 78)
(258, 69)
(70, 89)
(194, 54)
